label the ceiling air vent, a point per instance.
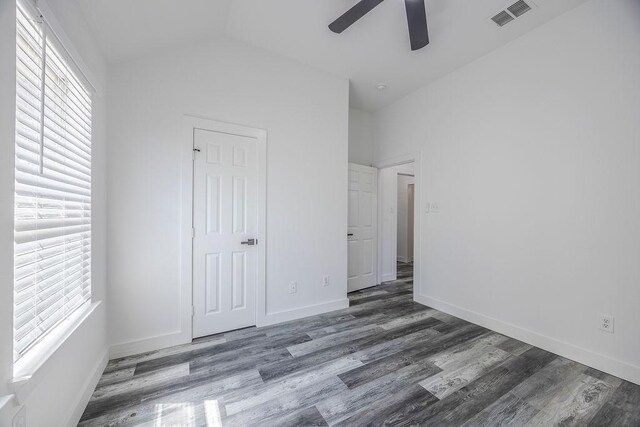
(512, 12)
(519, 8)
(502, 18)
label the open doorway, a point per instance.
(396, 226)
(404, 224)
(383, 230)
(406, 186)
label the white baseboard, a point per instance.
(178, 338)
(87, 391)
(388, 278)
(590, 358)
(148, 344)
(301, 312)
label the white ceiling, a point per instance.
(374, 50)
(129, 28)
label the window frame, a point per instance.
(38, 351)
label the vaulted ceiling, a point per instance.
(374, 50)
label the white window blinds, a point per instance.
(52, 248)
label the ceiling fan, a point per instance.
(416, 18)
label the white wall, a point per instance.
(533, 155)
(388, 219)
(360, 137)
(403, 253)
(64, 383)
(305, 113)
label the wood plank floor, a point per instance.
(385, 360)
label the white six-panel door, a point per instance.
(362, 227)
(224, 216)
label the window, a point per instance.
(52, 220)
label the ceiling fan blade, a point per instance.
(352, 15)
(417, 20)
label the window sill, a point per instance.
(6, 407)
(30, 368)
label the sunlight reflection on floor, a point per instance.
(184, 414)
(212, 412)
(175, 415)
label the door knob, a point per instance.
(250, 242)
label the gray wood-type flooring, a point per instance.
(385, 360)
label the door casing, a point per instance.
(186, 289)
(411, 215)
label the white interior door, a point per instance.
(225, 219)
(362, 227)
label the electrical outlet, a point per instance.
(20, 418)
(435, 208)
(293, 287)
(326, 280)
(606, 323)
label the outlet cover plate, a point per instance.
(293, 287)
(607, 323)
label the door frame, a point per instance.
(186, 216)
(417, 218)
(411, 215)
